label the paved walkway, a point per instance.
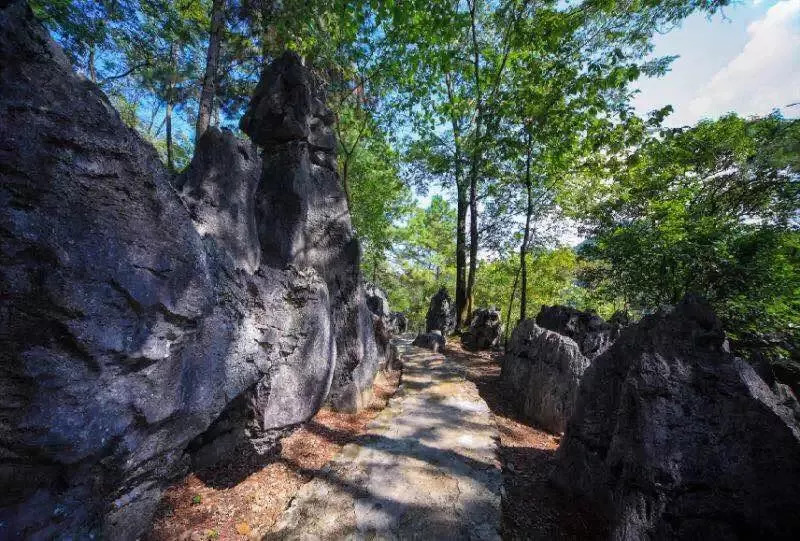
(425, 470)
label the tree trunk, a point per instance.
(208, 89)
(461, 256)
(92, 69)
(461, 206)
(168, 120)
(473, 242)
(523, 250)
(510, 306)
(345, 185)
(173, 54)
(475, 164)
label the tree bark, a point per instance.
(208, 89)
(510, 306)
(173, 54)
(523, 250)
(475, 164)
(91, 62)
(461, 255)
(473, 242)
(461, 209)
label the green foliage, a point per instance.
(713, 210)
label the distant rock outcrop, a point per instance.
(675, 438)
(378, 304)
(592, 334)
(134, 320)
(484, 331)
(430, 340)
(302, 213)
(541, 373)
(398, 323)
(441, 313)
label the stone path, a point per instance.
(426, 469)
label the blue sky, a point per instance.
(746, 61)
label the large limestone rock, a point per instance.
(398, 323)
(484, 331)
(378, 304)
(302, 213)
(441, 314)
(219, 188)
(675, 438)
(433, 341)
(541, 373)
(587, 329)
(127, 328)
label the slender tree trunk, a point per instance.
(208, 89)
(168, 120)
(92, 69)
(523, 250)
(173, 53)
(473, 243)
(510, 306)
(345, 179)
(461, 209)
(475, 164)
(461, 255)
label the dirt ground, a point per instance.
(532, 508)
(244, 499)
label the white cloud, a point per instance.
(763, 76)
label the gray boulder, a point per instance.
(377, 302)
(135, 340)
(398, 323)
(484, 331)
(541, 373)
(430, 340)
(441, 314)
(675, 438)
(219, 188)
(592, 334)
(302, 213)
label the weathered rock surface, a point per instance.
(675, 438)
(433, 341)
(441, 314)
(541, 372)
(219, 188)
(398, 323)
(484, 330)
(587, 329)
(128, 330)
(377, 302)
(302, 213)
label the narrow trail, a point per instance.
(425, 469)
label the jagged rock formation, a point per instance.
(441, 314)
(484, 330)
(675, 438)
(219, 188)
(302, 213)
(128, 330)
(433, 340)
(541, 373)
(587, 329)
(398, 323)
(377, 302)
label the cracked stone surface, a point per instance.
(426, 469)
